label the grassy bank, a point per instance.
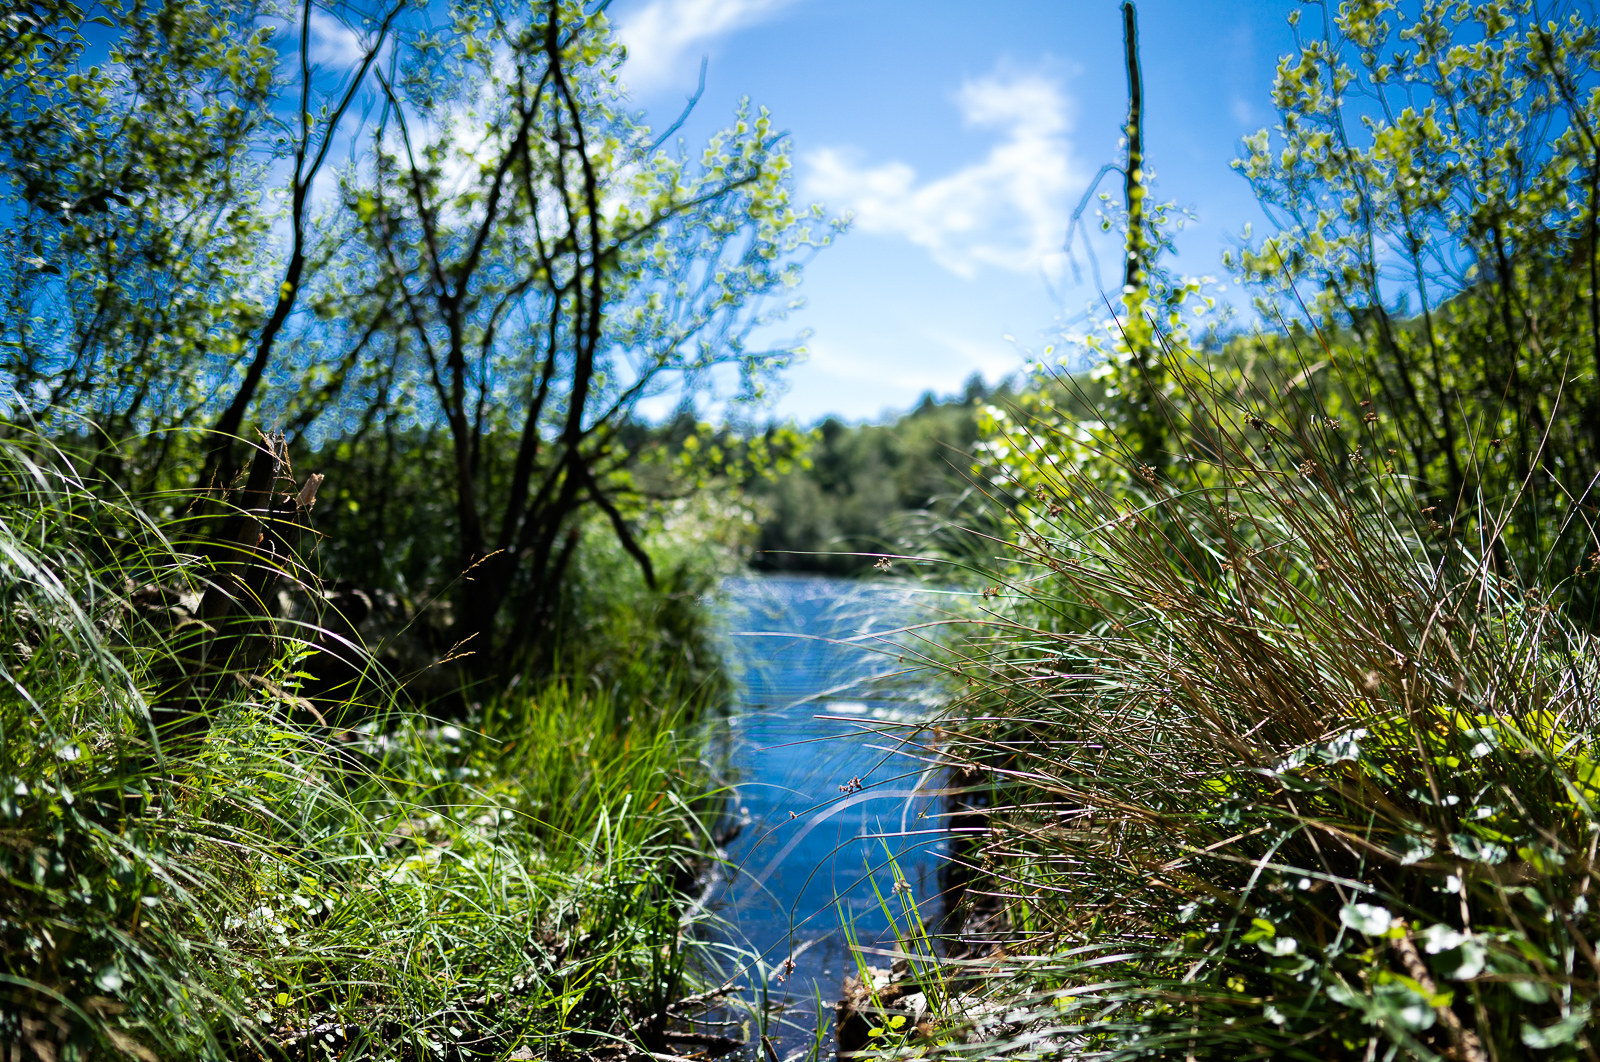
(298, 879)
(1275, 763)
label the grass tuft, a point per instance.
(1276, 764)
(388, 887)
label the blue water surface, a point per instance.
(828, 757)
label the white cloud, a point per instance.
(333, 43)
(941, 362)
(824, 357)
(993, 356)
(1009, 209)
(660, 33)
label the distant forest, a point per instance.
(871, 488)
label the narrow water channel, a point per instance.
(824, 698)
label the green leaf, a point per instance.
(1558, 1034)
(1279, 946)
(1530, 991)
(1403, 1005)
(1367, 918)
(1261, 929)
(1346, 996)
(1412, 848)
(1477, 850)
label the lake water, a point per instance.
(828, 691)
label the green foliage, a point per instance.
(1270, 768)
(872, 488)
(167, 898)
(127, 141)
(653, 649)
(1288, 733)
(513, 265)
(1433, 180)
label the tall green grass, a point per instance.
(1277, 765)
(389, 887)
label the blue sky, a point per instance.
(962, 136)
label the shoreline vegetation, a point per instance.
(1276, 721)
(1280, 729)
(310, 878)
(1255, 762)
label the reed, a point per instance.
(1276, 764)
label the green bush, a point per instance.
(652, 648)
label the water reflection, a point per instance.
(828, 692)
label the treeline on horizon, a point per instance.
(858, 491)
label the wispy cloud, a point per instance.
(662, 33)
(994, 357)
(841, 364)
(939, 362)
(1008, 210)
(333, 44)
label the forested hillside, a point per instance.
(872, 488)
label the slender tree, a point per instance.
(1434, 180)
(529, 267)
(1143, 423)
(127, 209)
